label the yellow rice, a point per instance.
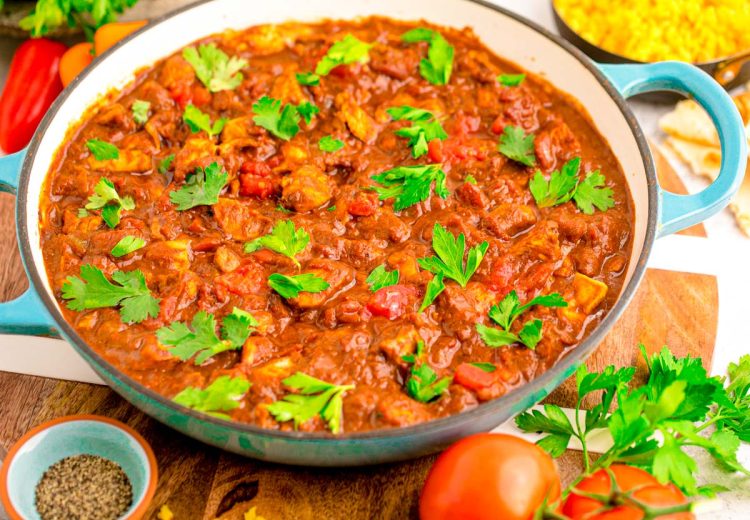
(652, 30)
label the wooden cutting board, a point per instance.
(201, 482)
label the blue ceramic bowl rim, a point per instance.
(136, 510)
(551, 378)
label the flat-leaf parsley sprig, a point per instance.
(564, 185)
(106, 199)
(292, 286)
(423, 384)
(348, 50)
(284, 239)
(314, 397)
(517, 146)
(222, 395)
(425, 127)
(214, 68)
(202, 188)
(653, 424)
(409, 185)
(200, 339)
(506, 313)
(380, 277)
(438, 65)
(449, 262)
(198, 120)
(93, 291)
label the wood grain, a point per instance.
(201, 482)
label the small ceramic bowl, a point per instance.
(54, 440)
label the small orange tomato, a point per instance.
(74, 61)
(110, 33)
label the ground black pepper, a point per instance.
(83, 487)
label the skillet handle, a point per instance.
(26, 314)
(678, 212)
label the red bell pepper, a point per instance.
(33, 84)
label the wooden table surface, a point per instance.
(202, 482)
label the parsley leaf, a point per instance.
(348, 50)
(409, 185)
(380, 277)
(127, 245)
(309, 79)
(485, 367)
(470, 179)
(591, 194)
(140, 110)
(102, 150)
(93, 291)
(165, 164)
(506, 313)
(329, 144)
(449, 261)
(517, 146)
(315, 397)
(198, 120)
(734, 415)
(202, 188)
(424, 129)
(283, 239)
(107, 199)
(200, 339)
(291, 286)
(222, 395)
(437, 67)
(423, 384)
(433, 290)
(559, 188)
(214, 68)
(511, 80)
(284, 124)
(51, 14)
(307, 110)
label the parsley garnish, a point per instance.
(127, 245)
(732, 415)
(214, 68)
(470, 179)
(283, 239)
(507, 312)
(653, 423)
(107, 199)
(329, 144)
(93, 291)
(564, 185)
(291, 286)
(380, 277)
(315, 397)
(200, 339)
(201, 189)
(449, 262)
(511, 80)
(165, 164)
(198, 120)
(424, 129)
(222, 395)
(348, 50)
(486, 367)
(437, 67)
(308, 79)
(423, 384)
(284, 124)
(51, 14)
(307, 110)
(409, 185)
(102, 151)
(517, 146)
(140, 110)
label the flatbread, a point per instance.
(690, 122)
(706, 161)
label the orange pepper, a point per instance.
(110, 33)
(74, 61)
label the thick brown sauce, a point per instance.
(194, 260)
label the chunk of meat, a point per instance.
(287, 88)
(197, 153)
(305, 189)
(128, 161)
(508, 220)
(360, 123)
(400, 410)
(587, 293)
(472, 194)
(339, 276)
(226, 259)
(397, 341)
(257, 350)
(393, 62)
(237, 128)
(116, 116)
(554, 145)
(239, 219)
(245, 280)
(169, 255)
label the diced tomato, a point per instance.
(474, 378)
(182, 93)
(364, 204)
(261, 169)
(499, 124)
(435, 150)
(247, 279)
(390, 302)
(255, 180)
(201, 95)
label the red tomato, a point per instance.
(474, 378)
(252, 185)
(33, 84)
(435, 150)
(647, 490)
(390, 302)
(489, 476)
(364, 204)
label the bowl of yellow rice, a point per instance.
(712, 34)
